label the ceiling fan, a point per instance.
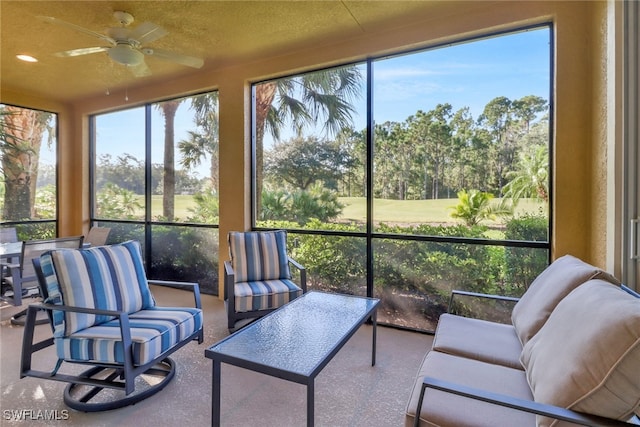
(127, 46)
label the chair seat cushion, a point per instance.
(153, 331)
(478, 339)
(265, 294)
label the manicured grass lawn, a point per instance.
(182, 203)
(416, 211)
(388, 211)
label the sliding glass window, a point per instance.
(414, 174)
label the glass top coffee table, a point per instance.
(295, 342)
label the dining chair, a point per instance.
(23, 273)
(97, 236)
(7, 235)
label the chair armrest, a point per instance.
(228, 268)
(86, 310)
(479, 295)
(303, 273)
(193, 286)
(514, 403)
(29, 347)
(229, 280)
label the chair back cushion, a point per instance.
(587, 355)
(554, 283)
(105, 277)
(259, 255)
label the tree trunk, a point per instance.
(169, 109)
(265, 93)
(20, 159)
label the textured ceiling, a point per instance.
(220, 32)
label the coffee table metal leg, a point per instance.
(374, 323)
(310, 402)
(215, 394)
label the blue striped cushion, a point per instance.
(262, 295)
(104, 277)
(153, 331)
(259, 255)
(53, 290)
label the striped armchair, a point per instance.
(257, 279)
(103, 314)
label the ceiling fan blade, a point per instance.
(81, 51)
(147, 32)
(57, 21)
(140, 70)
(189, 61)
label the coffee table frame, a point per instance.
(253, 347)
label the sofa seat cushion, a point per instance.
(153, 331)
(587, 356)
(548, 289)
(265, 294)
(446, 409)
(477, 339)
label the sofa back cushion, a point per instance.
(545, 292)
(587, 355)
(259, 255)
(105, 277)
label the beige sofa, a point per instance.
(572, 351)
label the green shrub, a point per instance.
(522, 265)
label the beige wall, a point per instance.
(581, 145)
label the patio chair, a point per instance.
(104, 316)
(7, 235)
(22, 273)
(98, 236)
(257, 279)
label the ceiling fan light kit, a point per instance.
(125, 54)
(127, 46)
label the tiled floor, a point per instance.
(349, 391)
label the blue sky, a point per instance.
(469, 74)
(464, 75)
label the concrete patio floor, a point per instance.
(349, 391)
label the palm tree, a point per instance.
(21, 133)
(324, 97)
(205, 141)
(531, 179)
(475, 206)
(168, 109)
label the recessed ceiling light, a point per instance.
(26, 58)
